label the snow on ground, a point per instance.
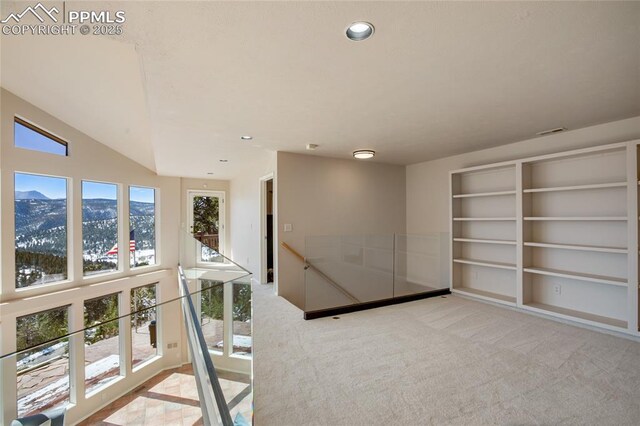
(41, 399)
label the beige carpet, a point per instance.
(438, 361)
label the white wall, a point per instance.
(327, 196)
(90, 160)
(244, 205)
(428, 182)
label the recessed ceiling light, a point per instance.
(246, 137)
(359, 31)
(224, 161)
(363, 154)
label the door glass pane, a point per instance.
(212, 311)
(242, 318)
(102, 342)
(99, 227)
(206, 226)
(40, 229)
(144, 330)
(43, 372)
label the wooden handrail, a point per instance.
(319, 272)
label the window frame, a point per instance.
(159, 353)
(122, 371)
(119, 231)
(156, 226)
(42, 132)
(71, 359)
(69, 231)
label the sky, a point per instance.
(28, 139)
(52, 187)
(145, 195)
(91, 190)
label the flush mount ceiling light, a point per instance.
(551, 131)
(359, 31)
(246, 137)
(363, 154)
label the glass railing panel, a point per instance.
(144, 324)
(418, 266)
(215, 410)
(102, 338)
(44, 359)
(211, 300)
(346, 270)
(42, 374)
(214, 267)
(242, 317)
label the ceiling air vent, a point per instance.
(551, 131)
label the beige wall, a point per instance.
(428, 182)
(326, 196)
(87, 160)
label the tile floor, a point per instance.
(171, 398)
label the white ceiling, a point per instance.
(187, 79)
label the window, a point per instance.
(42, 372)
(212, 313)
(144, 332)
(40, 229)
(102, 342)
(28, 136)
(142, 226)
(99, 227)
(242, 318)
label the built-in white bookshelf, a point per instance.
(554, 234)
(484, 233)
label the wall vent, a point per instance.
(550, 131)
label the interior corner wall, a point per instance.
(428, 182)
(327, 196)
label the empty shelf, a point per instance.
(578, 187)
(485, 294)
(499, 265)
(486, 219)
(621, 250)
(475, 240)
(601, 279)
(572, 314)
(485, 194)
(578, 218)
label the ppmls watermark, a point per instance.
(39, 19)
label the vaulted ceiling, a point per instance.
(185, 80)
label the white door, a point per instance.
(207, 223)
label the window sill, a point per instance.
(146, 363)
(106, 386)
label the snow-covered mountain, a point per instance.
(30, 195)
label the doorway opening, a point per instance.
(268, 264)
(206, 223)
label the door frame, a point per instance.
(221, 214)
(263, 231)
